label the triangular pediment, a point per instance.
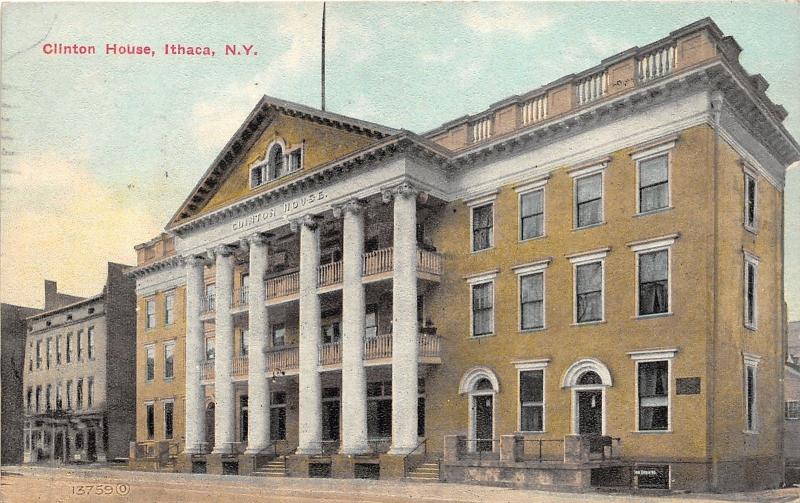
(315, 136)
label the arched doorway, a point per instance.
(210, 408)
(481, 385)
(588, 380)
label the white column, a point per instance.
(310, 392)
(257, 382)
(224, 414)
(354, 375)
(195, 356)
(404, 321)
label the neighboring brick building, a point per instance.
(79, 388)
(589, 270)
(12, 351)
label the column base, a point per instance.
(308, 451)
(399, 451)
(355, 450)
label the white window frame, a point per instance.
(167, 297)
(152, 404)
(795, 414)
(168, 344)
(526, 366)
(477, 280)
(302, 150)
(164, 417)
(147, 348)
(584, 258)
(523, 270)
(90, 347)
(647, 356)
(584, 171)
(537, 184)
(648, 246)
(750, 259)
(150, 302)
(638, 157)
(478, 201)
(750, 361)
(750, 173)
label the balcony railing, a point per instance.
(239, 297)
(283, 359)
(378, 347)
(534, 110)
(208, 370)
(482, 129)
(281, 286)
(657, 63)
(209, 303)
(330, 353)
(330, 274)
(592, 87)
(428, 261)
(239, 367)
(378, 261)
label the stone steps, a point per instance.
(274, 468)
(427, 472)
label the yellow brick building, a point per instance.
(578, 286)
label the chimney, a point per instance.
(50, 295)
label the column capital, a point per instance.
(193, 260)
(405, 190)
(309, 221)
(352, 206)
(258, 238)
(224, 250)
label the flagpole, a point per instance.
(322, 87)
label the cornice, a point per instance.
(159, 265)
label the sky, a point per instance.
(99, 151)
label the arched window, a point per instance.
(483, 384)
(276, 164)
(590, 377)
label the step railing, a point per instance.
(419, 453)
(657, 63)
(378, 347)
(281, 286)
(239, 297)
(534, 110)
(330, 274)
(283, 359)
(330, 353)
(239, 366)
(542, 449)
(378, 261)
(591, 88)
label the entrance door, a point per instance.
(59, 447)
(590, 412)
(91, 445)
(330, 414)
(483, 422)
(210, 426)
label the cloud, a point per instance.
(60, 222)
(505, 19)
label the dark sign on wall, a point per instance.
(651, 476)
(688, 385)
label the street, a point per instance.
(47, 485)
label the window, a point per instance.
(243, 342)
(69, 395)
(90, 342)
(49, 351)
(751, 392)
(277, 416)
(482, 227)
(169, 407)
(29, 399)
(750, 292)
(90, 392)
(371, 321)
(151, 420)
(69, 348)
(243, 412)
(58, 350)
(331, 333)
(278, 334)
(653, 388)
(531, 292)
(379, 409)
(531, 214)
(588, 200)
(750, 201)
(59, 398)
(483, 309)
(39, 354)
(79, 394)
(79, 338)
(169, 360)
(38, 398)
(211, 296)
(47, 394)
(257, 175)
(588, 291)
(295, 159)
(169, 309)
(209, 348)
(276, 164)
(791, 409)
(30, 357)
(531, 398)
(653, 282)
(653, 183)
(151, 314)
(421, 407)
(150, 363)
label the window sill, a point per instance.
(751, 230)
(652, 432)
(585, 323)
(752, 328)
(479, 337)
(168, 379)
(473, 252)
(653, 212)
(534, 238)
(651, 316)
(524, 331)
(148, 381)
(750, 432)
(530, 432)
(592, 226)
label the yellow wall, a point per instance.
(321, 144)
